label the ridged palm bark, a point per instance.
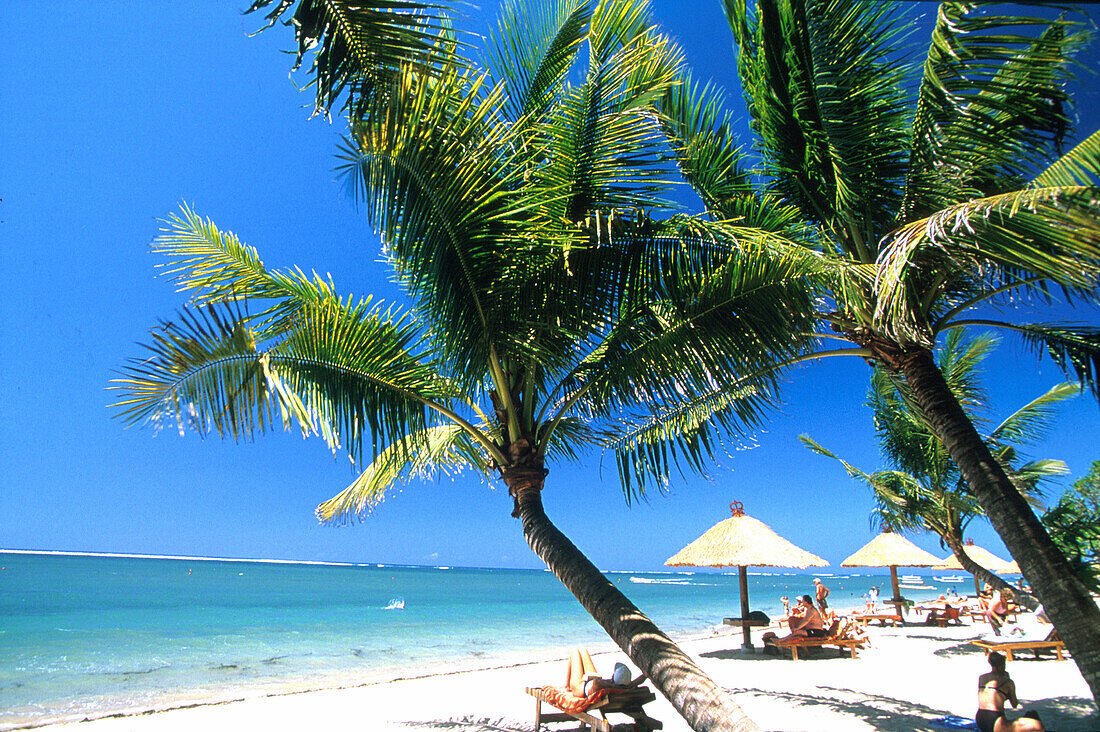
(1067, 602)
(703, 704)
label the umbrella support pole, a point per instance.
(743, 577)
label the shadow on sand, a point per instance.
(1064, 714)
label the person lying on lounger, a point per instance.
(581, 677)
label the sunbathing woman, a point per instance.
(994, 689)
(581, 677)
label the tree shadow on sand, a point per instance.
(1065, 714)
(471, 724)
(959, 649)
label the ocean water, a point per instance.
(85, 636)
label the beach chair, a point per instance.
(836, 636)
(1007, 644)
(627, 701)
(882, 618)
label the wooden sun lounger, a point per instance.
(1008, 645)
(629, 702)
(852, 644)
(835, 638)
(882, 618)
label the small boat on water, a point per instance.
(913, 582)
(950, 578)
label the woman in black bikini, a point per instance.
(994, 689)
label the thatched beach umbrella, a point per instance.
(891, 550)
(982, 557)
(742, 541)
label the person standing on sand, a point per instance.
(821, 592)
(994, 689)
(872, 600)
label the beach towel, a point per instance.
(950, 722)
(569, 702)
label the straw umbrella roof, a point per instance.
(983, 557)
(891, 550)
(742, 541)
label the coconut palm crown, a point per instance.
(559, 304)
(937, 197)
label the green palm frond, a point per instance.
(442, 449)
(1029, 478)
(216, 266)
(991, 107)
(683, 435)
(703, 146)
(602, 144)
(698, 322)
(533, 50)
(824, 92)
(358, 45)
(204, 371)
(433, 173)
(345, 372)
(1049, 233)
(1033, 420)
(853, 471)
(1075, 349)
(1079, 167)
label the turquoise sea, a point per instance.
(85, 636)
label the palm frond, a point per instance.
(433, 173)
(823, 87)
(1079, 167)
(442, 449)
(698, 317)
(1033, 420)
(204, 371)
(991, 106)
(1075, 349)
(533, 49)
(1050, 233)
(357, 46)
(216, 266)
(682, 436)
(602, 145)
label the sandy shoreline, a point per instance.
(905, 680)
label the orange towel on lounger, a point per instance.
(569, 702)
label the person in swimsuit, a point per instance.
(581, 677)
(994, 689)
(997, 613)
(822, 592)
(805, 621)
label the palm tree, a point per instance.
(929, 197)
(923, 490)
(550, 315)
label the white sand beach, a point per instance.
(908, 678)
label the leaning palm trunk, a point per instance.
(1066, 601)
(703, 704)
(985, 576)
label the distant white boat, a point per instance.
(397, 603)
(950, 578)
(912, 579)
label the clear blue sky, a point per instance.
(113, 114)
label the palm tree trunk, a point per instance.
(703, 704)
(981, 574)
(1065, 599)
